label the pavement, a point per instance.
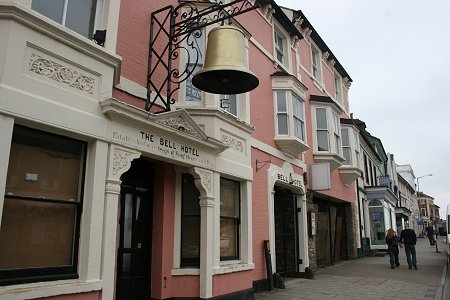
(373, 278)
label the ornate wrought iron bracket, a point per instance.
(261, 163)
(174, 29)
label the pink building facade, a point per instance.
(112, 201)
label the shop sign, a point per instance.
(164, 146)
(289, 179)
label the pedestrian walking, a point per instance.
(392, 243)
(408, 238)
(430, 234)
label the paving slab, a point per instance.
(372, 278)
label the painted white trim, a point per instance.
(276, 153)
(235, 266)
(298, 192)
(182, 272)
(6, 129)
(48, 289)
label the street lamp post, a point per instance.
(417, 193)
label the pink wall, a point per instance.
(231, 282)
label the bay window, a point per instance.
(346, 149)
(350, 169)
(337, 133)
(289, 109)
(326, 131)
(282, 113)
(322, 130)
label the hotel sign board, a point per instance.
(174, 148)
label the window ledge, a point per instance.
(349, 173)
(49, 289)
(291, 146)
(317, 84)
(233, 266)
(334, 159)
(186, 271)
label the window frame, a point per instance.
(337, 134)
(95, 15)
(316, 63)
(299, 119)
(233, 107)
(279, 113)
(278, 32)
(42, 274)
(189, 262)
(237, 220)
(322, 130)
(338, 95)
(346, 146)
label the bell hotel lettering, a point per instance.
(169, 144)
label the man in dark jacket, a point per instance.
(408, 238)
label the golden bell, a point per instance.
(225, 70)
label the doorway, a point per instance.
(286, 253)
(135, 232)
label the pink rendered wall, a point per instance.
(164, 285)
(231, 282)
(82, 296)
(260, 213)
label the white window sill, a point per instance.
(233, 266)
(318, 84)
(48, 289)
(187, 271)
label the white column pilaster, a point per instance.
(6, 129)
(119, 162)
(204, 181)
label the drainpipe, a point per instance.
(361, 215)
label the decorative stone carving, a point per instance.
(179, 124)
(307, 34)
(298, 23)
(268, 12)
(112, 187)
(60, 73)
(121, 162)
(232, 143)
(203, 181)
(295, 41)
(325, 55)
(347, 82)
(331, 62)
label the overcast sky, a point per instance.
(397, 53)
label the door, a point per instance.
(134, 252)
(285, 210)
